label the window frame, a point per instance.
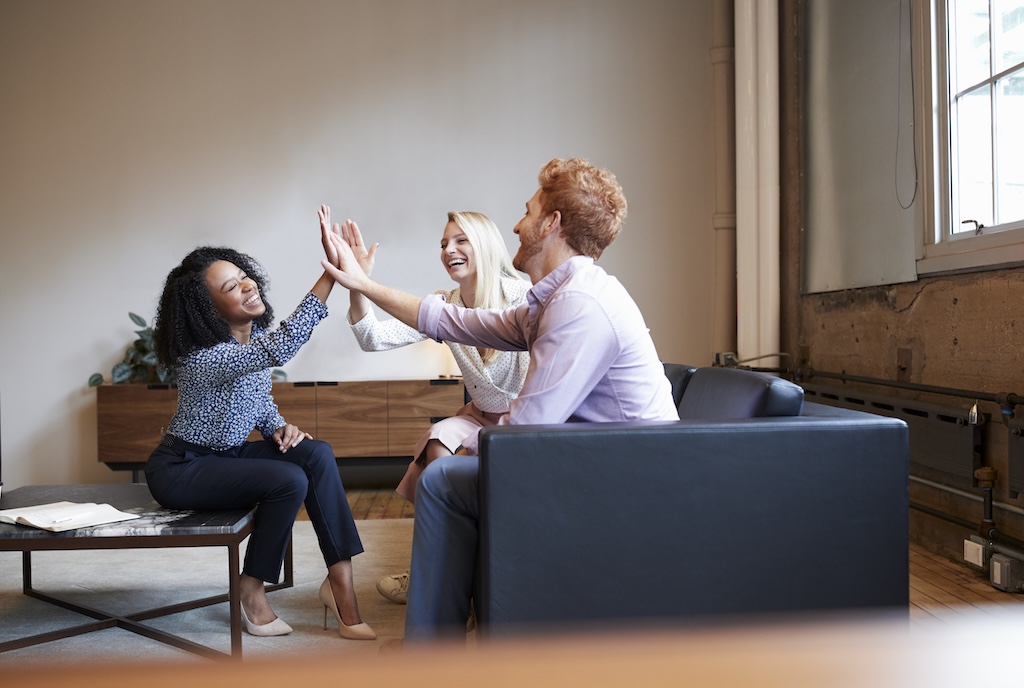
(940, 250)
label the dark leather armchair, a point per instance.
(754, 503)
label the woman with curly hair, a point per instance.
(213, 328)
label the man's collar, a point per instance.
(550, 283)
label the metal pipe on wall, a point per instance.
(1005, 399)
(997, 541)
(967, 495)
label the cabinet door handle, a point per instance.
(445, 381)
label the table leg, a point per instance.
(235, 600)
(26, 571)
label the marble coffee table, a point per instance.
(156, 527)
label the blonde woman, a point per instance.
(475, 257)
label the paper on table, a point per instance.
(60, 516)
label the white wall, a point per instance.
(132, 131)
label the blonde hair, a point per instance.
(492, 262)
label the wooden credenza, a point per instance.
(361, 419)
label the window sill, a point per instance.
(974, 254)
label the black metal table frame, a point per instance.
(131, 622)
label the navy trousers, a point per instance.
(182, 475)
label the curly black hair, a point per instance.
(186, 318)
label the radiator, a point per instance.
(944, 445)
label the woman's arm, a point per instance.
(343, 265)
(324, 285)
(229, 360)
(349, 232)
(275, 429)
(383, 335)
(322, 288)
(359, 305)
(372, 334)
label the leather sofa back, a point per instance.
(678, 376)
(732, 393)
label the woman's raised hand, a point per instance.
(346, 271)
(325, 233)
(350, 233)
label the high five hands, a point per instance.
(347, 260)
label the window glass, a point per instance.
(973, 163)
(1008, 33)
(976, 217)
(1009, 113)
(969, 38)
(986, 155)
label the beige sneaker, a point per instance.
(394, 587)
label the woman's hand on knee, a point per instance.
(288, 436)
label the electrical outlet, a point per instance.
(725, 359)
(1007, 573)
(974, 553)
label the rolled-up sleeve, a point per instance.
(431, 308)
(492, 328)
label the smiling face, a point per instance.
(528, 229)
(236, 297)
(457, 254)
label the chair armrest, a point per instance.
(595, 522)
(717, 393)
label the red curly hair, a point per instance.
(589, 199)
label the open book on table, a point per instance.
(61, 516)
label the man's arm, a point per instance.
(572, 352)
(574, 348)
(401, 305)
(491, 328)
(470, 326)
(348, 273)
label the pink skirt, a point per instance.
(450, 432)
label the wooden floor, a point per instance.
(940, 589)
(371, 503)
(946, 590)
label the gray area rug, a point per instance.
(126, 581)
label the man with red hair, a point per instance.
(592, 359)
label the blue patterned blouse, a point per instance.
(224, 391)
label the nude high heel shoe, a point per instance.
(275, 627)
(360, 631)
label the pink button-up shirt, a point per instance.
(592, 358)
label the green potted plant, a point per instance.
(140, 363)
